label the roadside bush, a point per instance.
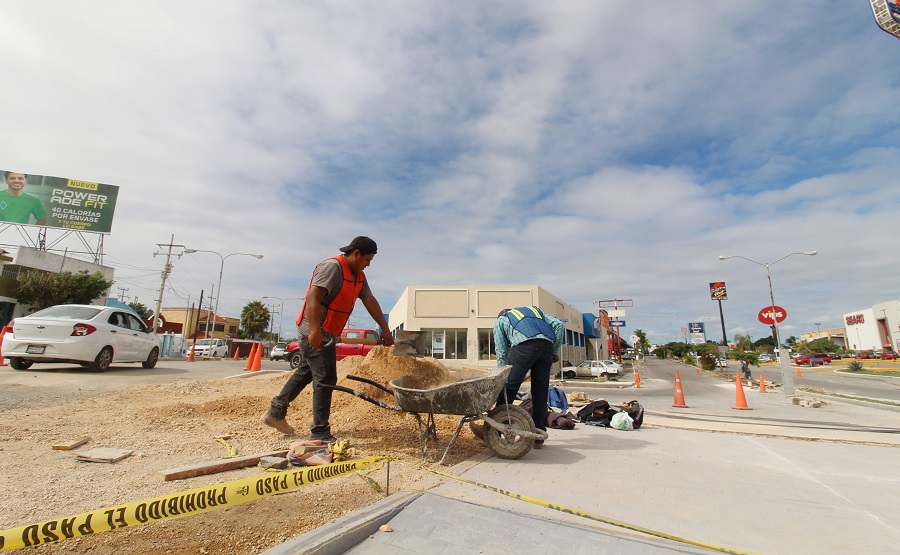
(708, 361)
(855, 366)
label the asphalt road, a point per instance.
(44, 382)
(659, 377)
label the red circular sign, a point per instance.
(765, 315)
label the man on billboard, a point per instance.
(16, 206)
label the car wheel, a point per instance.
(295, 360)
(605, 375)
(569, 375)
(152, 358)
(103, 360)
(20, 364)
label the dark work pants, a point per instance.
(535, 355)
(317, 366)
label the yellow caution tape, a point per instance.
(586, 514)
(176, 505)
(232, 451)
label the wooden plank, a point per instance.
(213, 467)
(69, 445)
(103, 454)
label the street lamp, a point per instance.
(786, 375)
(221, 269)
(818, 331)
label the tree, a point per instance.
(822, 345)
(766, 341)
(674, 348)
(743, 342)
(39, 289)
(255, 318)
(642, 344)
(142, 311)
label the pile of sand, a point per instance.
(381, 366)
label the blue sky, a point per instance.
(598, 149)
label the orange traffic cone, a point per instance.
(762, 383)
(248, 367)
(698, 370)
(237, 350)
(679, 394)
(637, 379)
(740, 401)
(191, 356)
(799, 373)
(257, 360)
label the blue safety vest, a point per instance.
(530, 322)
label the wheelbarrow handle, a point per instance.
(362, 396)
(370, 382)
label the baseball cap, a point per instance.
(363, 243)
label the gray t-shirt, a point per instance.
(328, 276)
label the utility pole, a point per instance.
(122, 291)
(165, 274)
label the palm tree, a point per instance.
(255, 318)
(743, 342)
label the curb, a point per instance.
(859, 402)
(346, 532)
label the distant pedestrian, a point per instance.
(745, 369)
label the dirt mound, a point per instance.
(175, 424)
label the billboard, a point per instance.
(697, 331)
(57, 202)
(717, 291)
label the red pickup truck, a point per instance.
(353, 341)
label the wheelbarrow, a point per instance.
(509, 431)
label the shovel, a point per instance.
(410, 344)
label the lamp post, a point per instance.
(221, 269)
(786, 374)
(818, 331)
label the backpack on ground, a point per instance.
(558, 399)
(594, 411)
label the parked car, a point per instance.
(279, 351)
(812, 360)
(722, 362)
(92, 336)
(568, 371)
(209, 348)
(834, 356)
(343, 349)
(598, 368)
(888, 355)
(765, 358)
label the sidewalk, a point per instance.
(835, 489)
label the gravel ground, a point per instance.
(174, 425)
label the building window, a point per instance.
(447, 344)
(486, 349)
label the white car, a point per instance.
(209, 348)
(92, 336)
(597, 368)
(278, 352)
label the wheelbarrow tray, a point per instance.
(475, 394)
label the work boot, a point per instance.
(280, 425)
(327, 438)
(539, 444)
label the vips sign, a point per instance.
(765, 315)
(717, 291)
(57, 202)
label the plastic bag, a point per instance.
(621, 421)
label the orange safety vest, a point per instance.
(338, 311)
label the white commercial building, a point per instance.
(876, 328)
(460, 320)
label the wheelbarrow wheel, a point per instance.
(510, 445)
